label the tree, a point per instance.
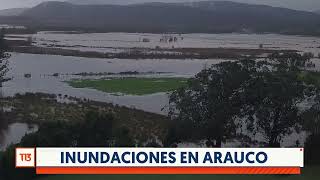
(241, 99)
(3, 70)
(122, 138)
(312, 148)
(312, 125)
(205, 109)
(96, 131)
(3, 58)
(290, 61)
(52, 134)
(311, 118)
(270, 104)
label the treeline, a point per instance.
(21, 46)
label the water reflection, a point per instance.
(14, 133)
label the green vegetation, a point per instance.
(133, 86)
(309, 173)
(311, 77)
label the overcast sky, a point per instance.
(294, 4)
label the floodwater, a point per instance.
(41, 67)
(49, 64)
(119, 42)
(14, 133)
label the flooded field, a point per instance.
(120, 42)
(48, 73)
(42, 67)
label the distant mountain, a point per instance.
(12, 12)
(121, 2)
(306, 5)
(110, 2)
(207, 16)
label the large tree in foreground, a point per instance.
(241, 98)
(270, 102)
(205, 109)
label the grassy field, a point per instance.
(132, 86)
(38, 108)
(311, 173)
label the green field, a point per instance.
(132, 86)
(311, 173)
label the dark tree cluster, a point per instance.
(242, 100)
(3, 58)
(98, 130)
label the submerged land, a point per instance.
(131, 86)
(136, 53)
